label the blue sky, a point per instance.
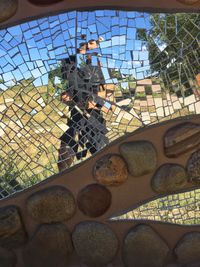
(33, 48)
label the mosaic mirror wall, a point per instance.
(72, 83)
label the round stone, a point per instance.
(143, 247)
(95, 243)
(50, 246)
(193, 168)
(7, 258)
(45, 2)
(181, 138)
(169, 178)
(188, 2)
(188, 248)
(8, 8)
(12, 233)
(94, 200)
(53, 204)
(110, 170)
(140, 156)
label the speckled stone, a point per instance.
(50, 246)
(169, 178)
(8, 8)
(181, 138)
(193, 168)
(110, 170)
(189, 2)
(45, 2)
(53, 204)
(143, 247)
(12, 233)
(140, 156)
(7, 258)
(188, 248)
(94, 200)
(95, 243)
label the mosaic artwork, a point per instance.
(72, 83)
(182, 209)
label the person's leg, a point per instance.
(67, 150)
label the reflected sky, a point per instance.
(32, 49)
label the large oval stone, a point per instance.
(140, 156)
(94, 200)
(181, 138)
(95, 243)
(143, 247)
(110, 170)
(7, 258)
(193, 168)
(12, 233)
(45, 2)
(50, 246)
(169, 178)
(188, 248)
(53, 204)
(8, 8)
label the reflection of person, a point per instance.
(86, 126)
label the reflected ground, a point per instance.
(120, 70)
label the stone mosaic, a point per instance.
(73, 82)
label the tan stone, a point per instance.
(169, 178)
(143, 247)
(94, 200)
(50, 246)
(7, 258)
(188, 248)
(8, 9)
(181, 138)
(12, 232)
(193, 168)
(110, 170)
(140, 156)
(95, 243)
(52, 204)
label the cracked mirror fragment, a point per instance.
(72, 83)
